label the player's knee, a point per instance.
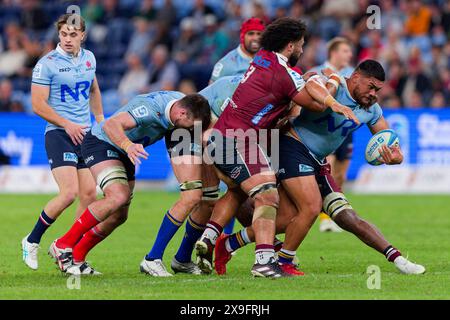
(68, 197)
(191, 199)
(312, 208)
(265, 195)
(88, 195)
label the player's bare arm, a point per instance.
(390, 155)
(115, 130)
(95, 99)
(320, 94)
(39, 102)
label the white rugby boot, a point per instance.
(30, 253)
(82, 268)
(407, 267)
(155, 268)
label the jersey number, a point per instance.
(249, 72)
(80, 87)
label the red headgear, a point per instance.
(249, 25)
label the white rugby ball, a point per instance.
(384, 137)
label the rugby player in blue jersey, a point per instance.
(63, 91)
(199, 189)
(238, 60)
(306, 183)
(339, 57)
(110, 151)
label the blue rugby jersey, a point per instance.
(70, 79)
(219, 92)
(152, 115)
(233, 63)
(322, 133)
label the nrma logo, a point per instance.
(81, 87)
(346, 125)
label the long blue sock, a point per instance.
(169, 227)
(192, 234)
(229, 227)
(40, 227)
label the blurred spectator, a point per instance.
(164, 20)
(215, 42)
(259, 12)
(414, 83)
(13, 59)
(438, 101)
(141, 39)
(163, 72)
(148, 10)
(7, 104)
(187, 86)
(93, 12)
(187, 45)
(415, 100)
(199, 12)
(134, 80)
(418, 18)
(33, 17)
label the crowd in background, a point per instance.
(150, 45)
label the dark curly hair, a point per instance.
(282, 31)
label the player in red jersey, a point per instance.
(236, 145)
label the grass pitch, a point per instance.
(335, 264)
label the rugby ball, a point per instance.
(384, 137)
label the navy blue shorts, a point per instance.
(95, 151)
(345, 150)
(238, 159)
(61, 151)
(297, 161)
(177, 146)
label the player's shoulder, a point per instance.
(88, 53)
(49, 58)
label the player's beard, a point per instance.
(252, 47)
(293, 59)
(361, 99)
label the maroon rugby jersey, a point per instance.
(263, 94)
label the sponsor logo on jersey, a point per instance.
(260, 61)
(64, 69)
(80, 87)
(140, 111)
(37, 71)
(235, 172)
(305, 168)
(88, 159)
(89, 66)
(112, 154)
(256, 119)
(70, 156)
(217, 69)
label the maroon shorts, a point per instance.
(238, 159)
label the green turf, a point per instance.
(335, 264)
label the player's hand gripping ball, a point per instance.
(386, 138)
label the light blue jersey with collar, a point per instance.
(70, 79)
(233, 63)
(323, 132)
(219, 92)
(345, 72)
(152, 115)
